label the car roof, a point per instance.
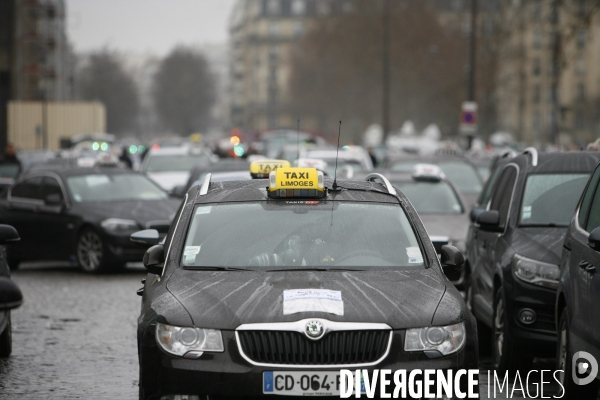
(581, 161)
(255, 190)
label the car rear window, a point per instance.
(431, 197)
(301, 234)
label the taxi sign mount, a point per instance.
(296, 182)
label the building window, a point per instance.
(323, 7)
(274, 28)
(273, 53)
(298, 7)
(298, 29)
(537, 39)
(537, 66)
(537, 12)
(580, 92)
(537, 93)
(581, 39)
(552, 39)
(273, 7)
(579, 119)
(552, 94)
(580, 65)
(273, 77)
(582, 9)
(537, 121)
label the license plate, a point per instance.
(301, 383)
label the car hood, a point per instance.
(542, 244)
(168, 180)
(140, 211)
(455, 227)
(227, 299)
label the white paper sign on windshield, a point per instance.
(306, 300)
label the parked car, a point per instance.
(578, 294)
(518, 240)
(10, 294)
(83, 214)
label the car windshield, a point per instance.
(9, 170)
(118, 187)
(431, 197)
(301, 235)
(550, 199)
(181, 162)
(463, 176)
(403, 166)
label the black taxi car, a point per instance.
(294, 278)
(67, 211)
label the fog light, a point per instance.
(527, 316)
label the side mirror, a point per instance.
(53, 199)
(148, 237)
(594, 239)
(10, 295)
(8, 234)
(475, 212)
(154, 259)
(489, 221)
(178, 191)
(452, 259)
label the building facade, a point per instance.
(262, 33)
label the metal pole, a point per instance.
(45, 120)
(472, 60)
(385, 123)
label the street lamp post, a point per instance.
(385, 123)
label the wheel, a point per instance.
(149, 383)
(564, 362)
(507, 356)
(6, 340)
(93, 255)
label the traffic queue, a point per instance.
(269, 277)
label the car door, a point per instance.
(584, 270)
(487, 243)
(58, 225)
(24, 198)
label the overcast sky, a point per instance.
(154, 26)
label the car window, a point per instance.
(28, 189)
(587, 199)
(118, 187)
(9, 170)
(51, 186)
(181, 162)
(486, 193)
(502, 194)
(302, 235)
(550, 199)
(463, 175)
(431, 197)
(594, 211)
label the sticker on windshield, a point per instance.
(526, 212)
(189, 254)
(306, 300)
(203, 210)
(95, 180)
(414, 255)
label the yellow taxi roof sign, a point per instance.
(296, 182)
(260, 169)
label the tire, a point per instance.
(93, 255)
(149, 382)
(6, 340)
(564, 359)
(506, 355)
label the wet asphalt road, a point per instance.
(74, 336)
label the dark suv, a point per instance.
(518, 242)
(578, 295)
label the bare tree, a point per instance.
(104, 79)
(184, 91)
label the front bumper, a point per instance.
(540, 336)
(228, 374)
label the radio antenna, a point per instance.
(298, 137)
(337, 152)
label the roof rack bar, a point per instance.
(534, 155)
(205, 184)
(372, 177)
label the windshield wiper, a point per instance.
(312, 269)
(217, 268)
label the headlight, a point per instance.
(119, 225)
(180, 340)
(445, 339)
(536, 272)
